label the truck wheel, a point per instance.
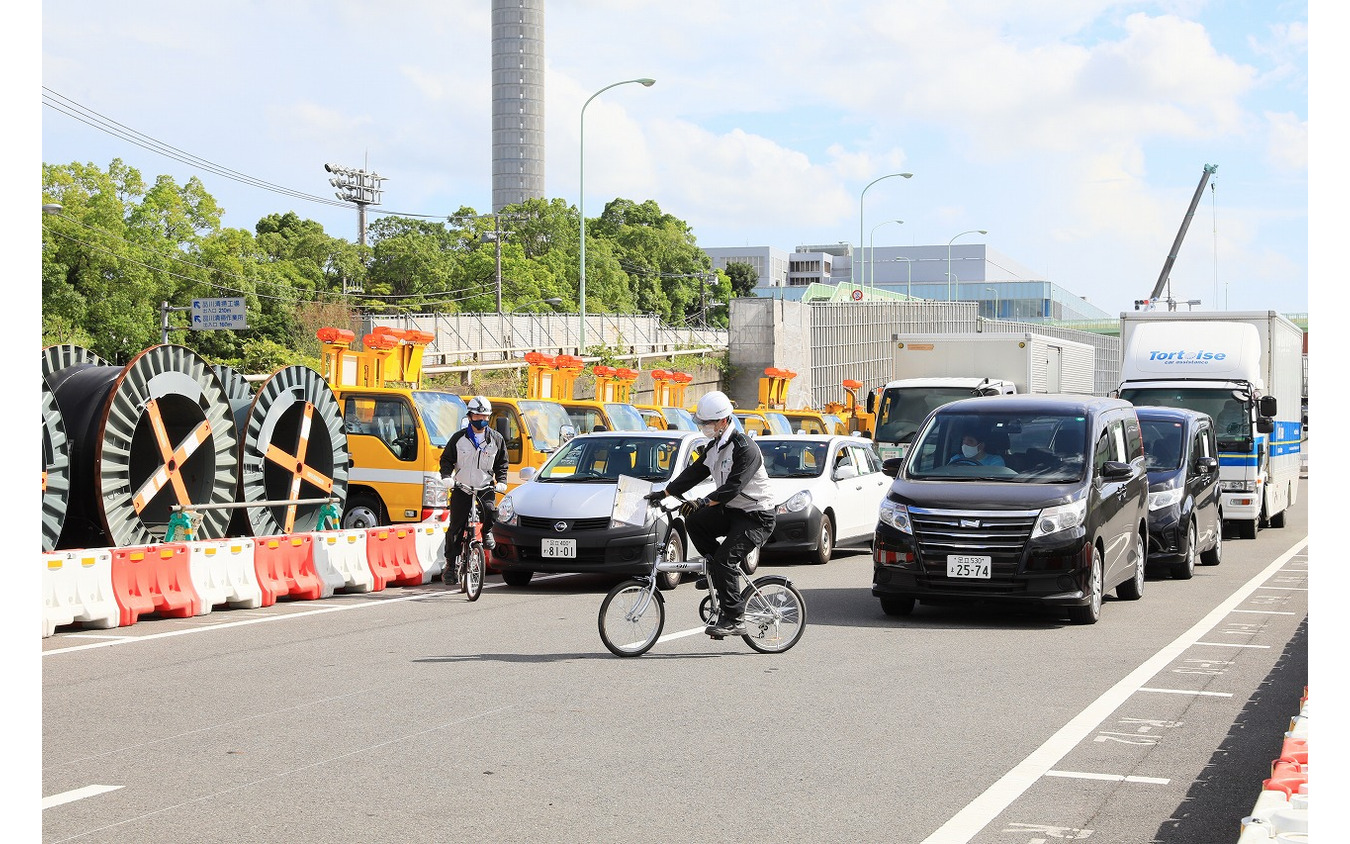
(362, 511)
(1247, 529)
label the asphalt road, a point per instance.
(410, 715)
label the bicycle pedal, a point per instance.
(701, 584)
(715, 637)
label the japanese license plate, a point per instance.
(963, 565)
(559, 548)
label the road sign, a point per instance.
(218, 314)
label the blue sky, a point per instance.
(1073, 131)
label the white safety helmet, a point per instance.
(480, 404)
(712, 407)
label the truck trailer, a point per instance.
(1243, 368)
(941, 368)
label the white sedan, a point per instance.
(559, 520)
(828, 490)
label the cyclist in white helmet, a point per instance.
(740, 508)
(474, 457)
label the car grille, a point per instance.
(999, 534)
(537, 523)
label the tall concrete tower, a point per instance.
(517, 101)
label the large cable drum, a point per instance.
(294, 449)
(145, 437)
(55, 469)
(240, 393)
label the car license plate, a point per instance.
(962, 565)
(559, 548)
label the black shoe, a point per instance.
(701, 584)
(449, 576)
(730, 627)
(489, 542)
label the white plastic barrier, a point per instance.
(222, 572)
(341, 562)
(77, 586)
(430, 544)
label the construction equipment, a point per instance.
(1152, 300)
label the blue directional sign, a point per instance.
(218, 314)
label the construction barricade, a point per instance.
(340, 560)
(1281, 811)
(285, 567)
(223, 573)
(429, 539)
(153, 579)
(392, 552)
(77, 587)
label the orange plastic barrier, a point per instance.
(154, 579)
(1286, 777)
(392, 553)
(285, 568)
(1294, 750)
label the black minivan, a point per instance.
(1045, 504)
(1184, 516)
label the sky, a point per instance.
(1074, 131)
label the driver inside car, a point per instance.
(972, 452)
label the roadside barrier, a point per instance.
(223, 573)
(77, 587)
(1280, 813)
(341, 562)
(392, 552)
(153, 579)
(429, 539)
(285, 568)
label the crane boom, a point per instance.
(1181, 235)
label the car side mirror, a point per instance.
(843, 473)
(566, 432)
(891, 466)
(1114, 470)
(1206, 464)
(1264, 425)
(528, 473)
(1266, 406)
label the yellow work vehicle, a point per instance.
(395, 429)
(858, 419)
(666, 413)
(773, 387)
(536, 426)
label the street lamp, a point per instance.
(909, 285)
(871, 248)
(949, 260)
(552, 300)
(51, 208)
(994, 290)
(581, 203)
(860, 216)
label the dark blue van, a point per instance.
(1184, 515)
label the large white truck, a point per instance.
(941, 368)
(1245, 369)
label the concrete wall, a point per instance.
(764, 333)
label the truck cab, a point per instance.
(903, 405)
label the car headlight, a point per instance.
(434, 493)
(1061, 517)
(1164, 498)
(896, 515)
(506, 511)
(795, 504)
(1237, 486)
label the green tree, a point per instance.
(743, 278)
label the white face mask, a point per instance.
(970, 450)
(709, 429)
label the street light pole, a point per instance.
(995, 292)
(581, 204)
(909, 286)
(871, 246)
(852, 274)
(949, 260)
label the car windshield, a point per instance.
(1231, 423)
(680, 419)
(903, 409)
(793, 458)
(625, 417)
(442, 413)
(1001, 447)
(778, 423)
(545, 421)
(1162, 442)
(600, 458)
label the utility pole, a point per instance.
(359, 187)
(497, 235)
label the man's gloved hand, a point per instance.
(500, 488)
(688, 507)
(654, 497)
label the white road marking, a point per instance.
(1078, 775)
(680, 635)
(977, 814)
(77, 794)
(1186, 692)
(1286, 588)
(1265, 612)
(1231, 645)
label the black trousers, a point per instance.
(459, 514)
(744, 531)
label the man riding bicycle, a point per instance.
(740, 508)
(474, 457)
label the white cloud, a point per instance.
(1288, 141)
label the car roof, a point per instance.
(1172, 413)
(816, 438)
(1035, 403)
(646, 433)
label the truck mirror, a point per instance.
(871, 401)
(1264, 424)
(1267, 406)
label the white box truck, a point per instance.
(941, 368)
(1245, 369)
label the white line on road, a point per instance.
(680, 635)
(1078, 775)
(977, 814)
(1231, 645)
(1264, 612)
(1186, 692)
(77, 794)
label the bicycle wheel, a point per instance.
(775, 614)
(473, 572)
(631, 618)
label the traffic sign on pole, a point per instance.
(218, 314)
